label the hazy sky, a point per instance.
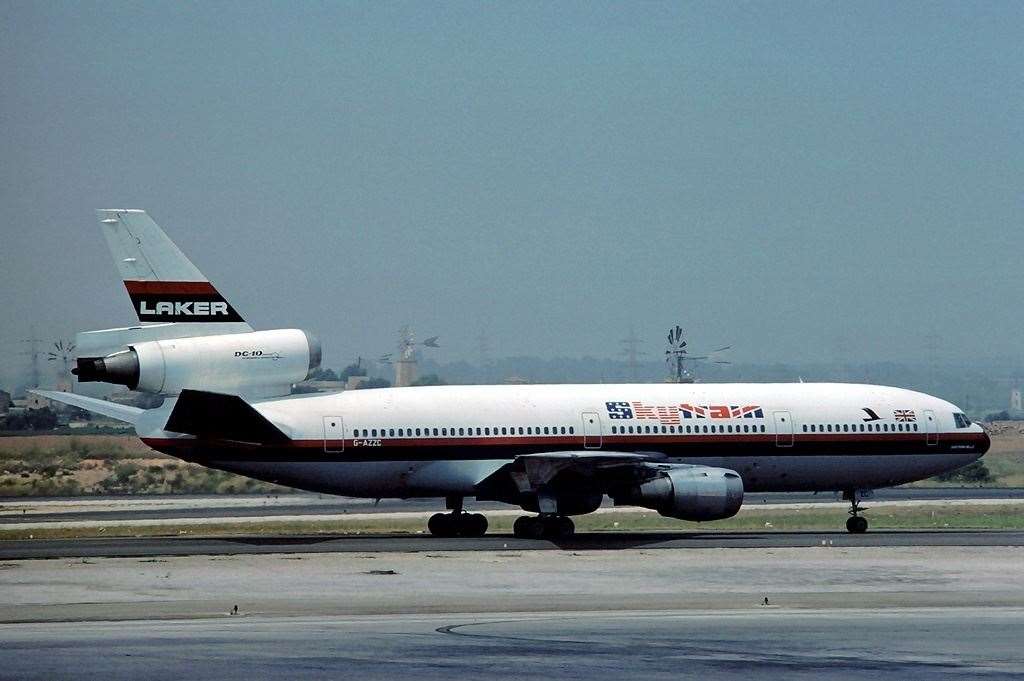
(800, 180)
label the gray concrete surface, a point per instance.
(912, 644)
(833, 613)
(242, 545)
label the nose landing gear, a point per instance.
(856, 523)
(543, 526)
(458, 523)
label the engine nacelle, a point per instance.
(690, 493)
(257, 363)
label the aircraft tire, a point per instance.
(473, 525)
(441, 525)
(528, 527)
(857, 524)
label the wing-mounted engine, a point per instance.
(260, 363)
(687, 492)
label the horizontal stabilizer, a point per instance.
(121, 412)
(216, 416)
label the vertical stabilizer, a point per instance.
(162, 282)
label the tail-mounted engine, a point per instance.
(688, 493)
(260, 363)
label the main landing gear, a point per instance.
(855, 524)
(458, 523)
(543, 526)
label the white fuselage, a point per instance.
(446, 440)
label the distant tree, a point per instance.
(976, 472)
(375, 383)
(324, 375)
(1004, 416)
(34, 419)
(430, 379)
(356, 369)
(303, 389)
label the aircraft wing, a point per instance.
(121, 412)
(530, 472)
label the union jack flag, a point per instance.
(904, 415)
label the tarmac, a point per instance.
(643, 605)
(15, 511)
(832, 612)
(149, 547)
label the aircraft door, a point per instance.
(783, 429)
(591, 430)
(334, 434)
(931, 428)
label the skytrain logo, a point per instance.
(671, 415)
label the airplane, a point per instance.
(688, 451)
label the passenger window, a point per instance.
(571, 430)
(705, 429)
(545, 430)
(846, 428)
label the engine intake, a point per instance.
(261, 362)
(689, 493)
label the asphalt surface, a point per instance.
(258, 506)
(918, 644)
(142, 547)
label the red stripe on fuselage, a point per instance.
(572, 442)
(165, 287)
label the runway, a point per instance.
(890, 612)
(899, 644)
(598, 541)
(166, 507)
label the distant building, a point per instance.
(5, 401)
(354, 382)
(33, 402)
(1016, 405)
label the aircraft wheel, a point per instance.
(559, 526)
(473, 525)
(528, 527)
(857, 524)
(441, 525)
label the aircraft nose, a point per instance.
(986, 442)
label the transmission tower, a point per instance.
(483, 346)
(34, 352)
(632, 353)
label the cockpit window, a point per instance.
(961, 420)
